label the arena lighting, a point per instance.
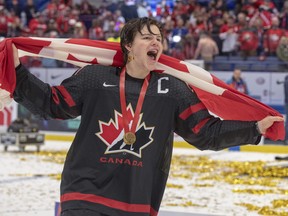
(176, 38)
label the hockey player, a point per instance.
(119, 161)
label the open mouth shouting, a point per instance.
(153, 54)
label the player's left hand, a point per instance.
(267, 122)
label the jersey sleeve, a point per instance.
(205, 131)
(62, 102)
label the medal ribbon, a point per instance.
(139, 102)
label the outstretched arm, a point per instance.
(62, 102)
(204, 131)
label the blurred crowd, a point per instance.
(194, 29)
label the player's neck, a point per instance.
(136, 72)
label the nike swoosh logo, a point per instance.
(108, 85)
(55, 76)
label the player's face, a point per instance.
(147, 48)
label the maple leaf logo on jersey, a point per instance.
(112, 133)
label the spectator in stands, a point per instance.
(129, 10)
(114, 27)
(114, 38)
(119, 20)
(284, 16)
(241, 21)
(268, 5)
(166, 41)
(258, 25)
(108, 24)
(69, 29)
(201, 24)
(53, 7)
(14, 24)
(178, 39)
(52, 27)
(229, 35)
(37, 24)
(112, 6)
(237, 82)
(220, 5)
(86, 8)
(264, 14)
(67, 20)
(216, 24)
(180, 10)
(206, 50)
(15, 6)
(189, 45)
(272, 37)
(29, 11)
(3, 22)
(197, 17)
(80, 30)
(248, 41)
(249, 8)
(142, 10)
(96, 31)
(282, 49)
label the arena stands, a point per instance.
(243, 30)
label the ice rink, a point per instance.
(200, 183)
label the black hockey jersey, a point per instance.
(101, 172)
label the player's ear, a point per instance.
(128, 46)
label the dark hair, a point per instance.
(131, 28)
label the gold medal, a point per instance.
(129, 138)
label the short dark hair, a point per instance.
(131, 28)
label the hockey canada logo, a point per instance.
(112, 133)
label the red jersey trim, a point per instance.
(198, 127)
(67, 97)
(109, 202)
(192, 109)
(55, 96)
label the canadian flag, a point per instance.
(218, 97)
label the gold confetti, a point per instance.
(280, 203)
(254, 191)
(52, 156)
(169, 185)
(56, 176)
(250, 173)
(249, 206)
(265, 210)
(259, 179)
(203, 185)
